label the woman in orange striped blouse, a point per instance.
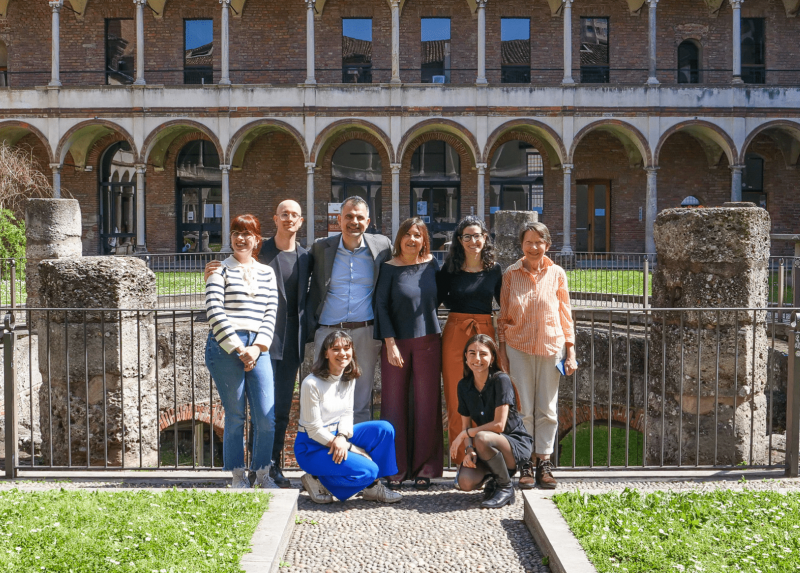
(536, 333)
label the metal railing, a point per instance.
(607, 280)
(12, 283)
(100, 389)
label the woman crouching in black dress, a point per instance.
(497, 442)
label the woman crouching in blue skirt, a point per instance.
(341, 459)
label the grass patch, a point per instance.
(180, 283)
(686, 532)
(774, 287)
(604, 281)
(582, 436)
(88, 532)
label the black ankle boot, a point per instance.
(504, 492)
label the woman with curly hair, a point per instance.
(467, 284)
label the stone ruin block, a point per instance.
(506, 231)
(709, 258)
(115, 402)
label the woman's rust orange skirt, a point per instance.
(457, 331)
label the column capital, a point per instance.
(140, 2)
(652, 169)
(567, 3)
(225, 168)
(735, 4)
(310, 4)
(56, 166)
(56, 5)
(567, 167)
(395, 4)
(652, 3)
(141, 168)
(225, 3)
(310, 167)
(395, 167)
(735, 168)
(481, 167)
(481, 4)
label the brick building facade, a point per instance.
(684, 107)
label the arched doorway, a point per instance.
(436, 189)
(356, 170)
(516, 176)
(199, 198)
(117, 201)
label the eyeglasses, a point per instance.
(289, 216)
(476, 237)
(242, 235)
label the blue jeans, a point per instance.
(233, 383)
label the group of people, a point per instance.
(362, 297)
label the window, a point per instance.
(688, 62)
(3, 65)
(199, 198)
(436, 189)
(117, 215)
(357, 50)
(753, 180)
(515, 50)
(435, 50)
(356, 170)
(120, 51)
(516, 179)
(594, 51)
(198, 62)
(753, 58)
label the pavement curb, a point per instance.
(552, 534)
(271, 537)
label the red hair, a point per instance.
(250, 224)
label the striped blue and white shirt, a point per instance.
(232, 304)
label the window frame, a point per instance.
(604, 71)
(206, 71)
(694, 74)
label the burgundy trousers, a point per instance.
(411, 400)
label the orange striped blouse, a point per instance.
(535, 313)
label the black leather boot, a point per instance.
(504, 492)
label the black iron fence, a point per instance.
(101, 389)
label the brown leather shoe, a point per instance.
(544, 475)
(527, 480)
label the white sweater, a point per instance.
(326, 401)
(232, 303)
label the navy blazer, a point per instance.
(323, 252)
(268, 256)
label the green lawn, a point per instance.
(96, 532)
(664, 532)
(601, 446)
(774, 285)
(180, 283)
(604, 281)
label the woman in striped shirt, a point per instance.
(241, 305)
(536, 334)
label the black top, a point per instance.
(480, 406)
(290, 272)
(405, 301)
(470, 293)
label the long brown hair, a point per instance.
(403, 231)
(322, 369)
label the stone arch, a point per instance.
(453, 133)
(784, 134)
(632, 417)
(81, 138)
(328, 135)
(13, 131)
(320, 5)
(634, 143)
(158, 143)
(93, 157)
(542, 136)
(712, 138)
(241, 141)
(202, 413)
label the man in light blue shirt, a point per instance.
(346, 268)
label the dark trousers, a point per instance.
(417, 421)
(285, 373)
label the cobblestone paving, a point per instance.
(438, 530)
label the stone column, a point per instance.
(52, 231)
(652, 79)
(226, 210)
(567, 14)
(481, 190)
(225, 78)
(507, 225)
(310, 78)
(98, 365)
(395, 42)
(566, 249)
(481, 43)
(651, 209)
(310, 203)
(395, 198)
(141, 243)
(55, 63)
(139, 42)
(737, 41)
(56, 167)
(709, 258)
(736, 183)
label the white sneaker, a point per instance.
(380, 492)
(240, 479)
(263, 479)
(316, 491)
